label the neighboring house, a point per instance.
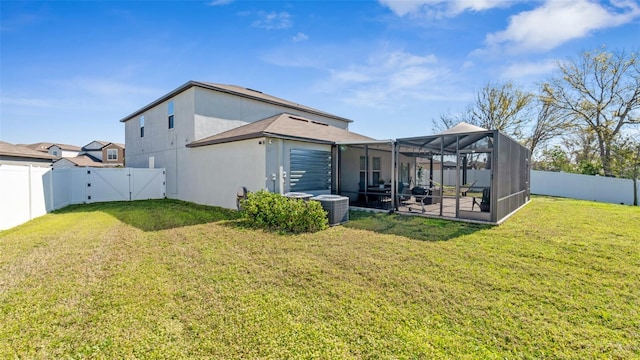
(107, 153)
(80, 160)
(213, 139)
(64, 150)
(11, 154)
(55, 149)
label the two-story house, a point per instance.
(213, 139)
(108, 153)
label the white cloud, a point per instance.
(220, 2)
(273, 21)
(558, 21)
(388, 78)
(300, 37)
(527, 69)
(442, 8)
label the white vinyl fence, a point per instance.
(575, 186)
(27, 192)
(585, 187)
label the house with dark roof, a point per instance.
(11, 154)
(214, 138)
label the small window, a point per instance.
(112, 154)
(363, 172)
(375, 174)
(142, 126)
(55, 152)
(170, 114)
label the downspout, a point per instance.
(335, 185)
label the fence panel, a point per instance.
(584, 187)
(27, 192)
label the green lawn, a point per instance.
(167, 279)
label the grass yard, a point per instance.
(167, 279)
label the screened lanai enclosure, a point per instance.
(465, 173)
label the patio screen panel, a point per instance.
(310, 170)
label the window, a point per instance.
(55, 152)
(142, 126)
(363, 173)
(375, 173)
(170, 113)
(112, 154)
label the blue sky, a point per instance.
(70, 70)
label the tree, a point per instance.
(626, 161)
(554, 159)
(548, 125)
(601, 91)
(501, 107)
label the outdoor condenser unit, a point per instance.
(337, 207)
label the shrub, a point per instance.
(276, 212)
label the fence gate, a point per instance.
(147, 184)
(108, 185)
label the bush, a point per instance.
(276, 212)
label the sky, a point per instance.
(70, 70)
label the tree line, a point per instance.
(584, 119)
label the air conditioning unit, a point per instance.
(337, 207)
(298, 195)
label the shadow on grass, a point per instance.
(413, 227)
(153, 215)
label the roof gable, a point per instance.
(99, 145)
(284, 126)
(236, 91)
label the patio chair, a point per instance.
(484, 202)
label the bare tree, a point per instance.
(599, 90)
(548, 125)
(501, 107)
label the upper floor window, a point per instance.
(142, 126)
(170, 114)
(112, 154)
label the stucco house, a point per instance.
(213, 139)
